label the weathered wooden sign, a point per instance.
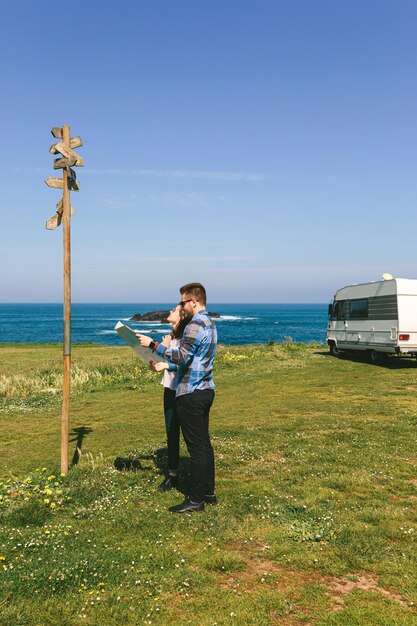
(60, 207)
(56, 220)
(64, 162)
(73, 184)
(57, 132)
(66, 151)
(56, 183)
(75, 142)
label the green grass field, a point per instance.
(316, 480)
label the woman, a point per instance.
(170, 381)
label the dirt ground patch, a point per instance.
(340, 587)
(259, 571)
(394, 498)
(286, 582)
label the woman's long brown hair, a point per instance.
(178, 332)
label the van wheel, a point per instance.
(334, 350)
(375, 357)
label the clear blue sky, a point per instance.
(266, 148)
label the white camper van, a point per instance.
(378, 317)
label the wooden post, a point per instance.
(64, 210)
(65, 425)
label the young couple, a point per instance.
(189, 393)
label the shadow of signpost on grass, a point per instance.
(79, 434)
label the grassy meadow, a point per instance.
(316, 480)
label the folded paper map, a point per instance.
(129, 336)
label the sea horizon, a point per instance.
(159, 303)
(239, 323)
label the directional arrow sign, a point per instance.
(75, 142)
(64, 162)
(67, 152)
(60, 207)
(73, 185)
(57, 132)
(57, 183)
(56, 220)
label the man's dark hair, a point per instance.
(196, 291)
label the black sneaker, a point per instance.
(168, 483)
(188, 506)
(210, 499)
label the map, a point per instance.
(129, 336)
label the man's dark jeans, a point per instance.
(193, 411)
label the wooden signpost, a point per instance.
(64, 211)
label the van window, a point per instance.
(339, 310)
(358, 309)
(341, 313)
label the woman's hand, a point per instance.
(166, 341)
(158, 367)
(144, 340)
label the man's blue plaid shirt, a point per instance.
(195, 355)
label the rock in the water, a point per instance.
(158, 316)
(152, 316)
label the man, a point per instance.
(195, 392)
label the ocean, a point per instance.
(239, 323)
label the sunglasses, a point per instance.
(185, 302)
